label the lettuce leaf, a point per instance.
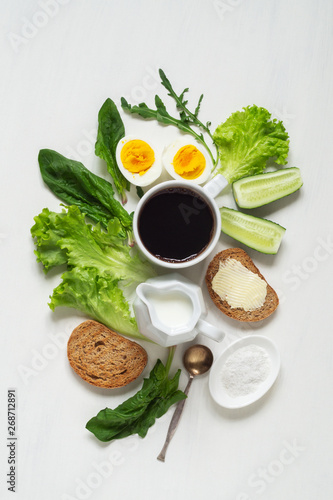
(246, 140)
(97, 296)
(100, 265)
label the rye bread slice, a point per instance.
(271, 301)
(104, 358)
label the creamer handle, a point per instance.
(211, 331)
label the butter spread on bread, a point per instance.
(239, 286)
(237, 308)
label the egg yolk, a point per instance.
(189, 162)
(137, 156)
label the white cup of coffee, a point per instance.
(177, 224)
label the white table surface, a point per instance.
(60, 59)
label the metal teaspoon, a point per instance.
(197, 360)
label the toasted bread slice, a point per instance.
(104, 358)
(238, 313)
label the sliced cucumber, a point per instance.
(260, 234)
(258, 190)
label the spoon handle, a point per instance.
(174, 421)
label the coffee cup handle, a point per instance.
(215, 185)
(210, 331)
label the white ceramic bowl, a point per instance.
(216, 387)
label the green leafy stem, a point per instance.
(186, 119)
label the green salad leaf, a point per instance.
(139, 191)
(185, 114)
(110, 130)
(138, 413)
(98, 296)
(246, 140)
(100, 265)
(186, 121)
(74, 184)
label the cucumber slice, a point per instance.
(260, 234)
(258, 190)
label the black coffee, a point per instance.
(176, 224)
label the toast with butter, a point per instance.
(237, 287)
(104, 358)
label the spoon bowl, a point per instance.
(197, 360)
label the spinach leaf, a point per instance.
(139, 191)
(138, 413)
(110, 130)
(74, 184)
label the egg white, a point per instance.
(169, 153)
(150, 175)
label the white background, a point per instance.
(59, 61)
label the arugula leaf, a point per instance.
(74, 184)
(99, 263)
(110, 130)
(138, 413)
(185, 113)
(246, 140)
(186, 119)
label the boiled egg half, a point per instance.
(137, 161)
(186, 160)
